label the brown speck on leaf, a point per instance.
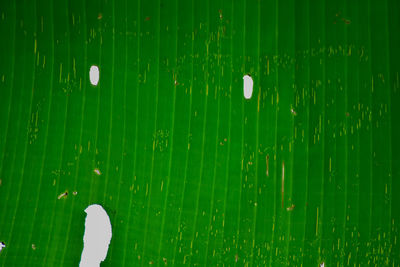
(165, 261)
(63, 195)
(33, 246)
(346, 21)
(151, 262)
(100, 16)
(147, 18)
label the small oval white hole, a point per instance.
(247, 86)
(94, 75)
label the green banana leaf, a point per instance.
(305, 173)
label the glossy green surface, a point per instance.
(306, 171)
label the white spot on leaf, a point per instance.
(247, 86)
(97, 171)
(2, 245)
(94, 75)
